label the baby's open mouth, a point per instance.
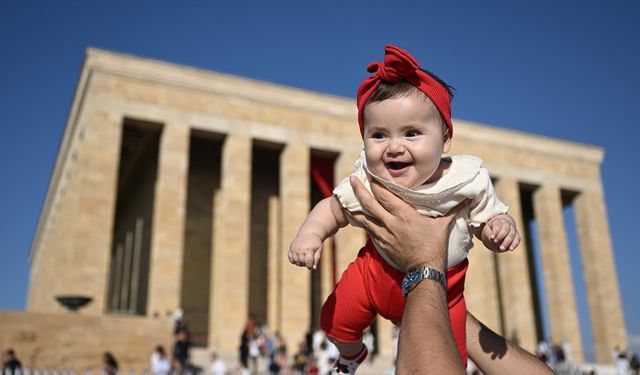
(397, 165)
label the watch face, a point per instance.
(414, 276)
(410, 279)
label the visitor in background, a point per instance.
(10, 362)
(181, 347)
(160, 364)
(110, 365)
(217, 366)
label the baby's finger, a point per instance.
(494, 228)
(515, 242)
(502, 233)
(294, 258)
(316, 258)
(486, 231)
(301, 257)
(308, 259)
(508, 240)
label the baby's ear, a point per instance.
(447, 142)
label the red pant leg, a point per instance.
(458, 318)
(347, 312)
(457, 306)
(385, 288)
(370, 285)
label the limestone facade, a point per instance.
(177, 187)
(79, 341)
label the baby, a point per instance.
(404, 115)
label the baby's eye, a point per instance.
(412, 133)
(377, 135)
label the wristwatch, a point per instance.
(416, 275)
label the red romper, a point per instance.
(371, 286)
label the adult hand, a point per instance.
(407, 237)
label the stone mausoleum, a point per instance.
(177, 187)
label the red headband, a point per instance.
(399, 64)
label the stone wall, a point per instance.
(74, 340)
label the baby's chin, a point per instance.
(408, 182)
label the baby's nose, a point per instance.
(395, 146)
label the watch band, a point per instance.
(416, 275)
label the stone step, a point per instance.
(201, 357)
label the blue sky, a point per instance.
(567, 70)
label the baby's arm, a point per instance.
(322, 222)
(499, 233)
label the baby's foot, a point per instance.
(349, 365)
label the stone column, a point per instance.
(230, 259)
(605, 306)
(169, 215)
(294, 192)
(326, 267)
(90, 232)
(556, 266)
(481, 286)
(515, 286)
(275, 264)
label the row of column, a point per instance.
(598, 266)
(229, 264)
(228, 305)
(511, 308)
(289, 287)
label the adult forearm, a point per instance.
(493, 354)
(426, 344)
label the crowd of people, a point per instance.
(262, 351)
(554, 353)
(626, 361)
(558, 354)
(266, 352)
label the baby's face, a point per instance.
(404, 140)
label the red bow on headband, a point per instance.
(399, 64)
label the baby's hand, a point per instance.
(500, 233)
(305, 250)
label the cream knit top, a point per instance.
(465, 179)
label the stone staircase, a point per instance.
(200, 357)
